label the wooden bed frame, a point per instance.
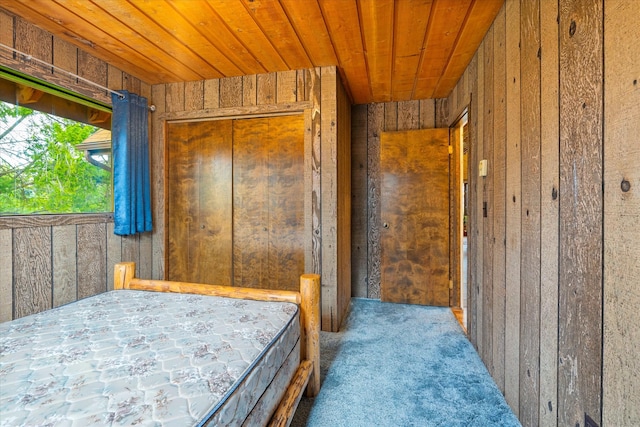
(307, 376)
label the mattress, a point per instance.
(147, 358)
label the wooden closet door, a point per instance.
(268, 202)
(199, 202)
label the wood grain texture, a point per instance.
(231, 92)
(285, 182)
(158, 187)
(266, 88)
(6, 28)
(315, 178)
(174, 97)
(211, 93)
(427, 113)
(375, 125)
(114, 254)
(32, 270)
(92, 260)
(286, 87)
(6, 276)
(65, 56)
(414, 242)
(530, 253)
(549, 210)
(250, 203)
(621, 366)
(29, 221)
(64, 251)
(343, 118)
(475, 262)
(194, 95)
(581, 210)
(513, 207)
(249, 90)
(329, 195)
(488, 205)
(359, 208)
(499, 198)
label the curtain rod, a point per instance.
(27, 58)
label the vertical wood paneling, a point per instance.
(549, 216)
(581, 210)
(408, 115)
(114, 255)
(249, 90)
(211, 93)
(32, 40)
(266, 87)
(65, 272)
(472, 231)
(65, 56)
(621, 375)
(477, 266)
(6, 29)
(145, 263)
(158, 200)
(513, 208)
(359, 215)
(193, 96)
(92, 68)
(427, 113)
(6, 275)
(32, 270)
(286, 87)
(92, 259)
(344, 200)
(316, 190)
(329, 175)
(231, 92)
(174, 97)
(499, 198)
(530, 254)
(487, 204)
(390, 116)
(375, 125)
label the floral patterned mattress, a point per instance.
(147, 358)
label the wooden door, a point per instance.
(414, 168)
(199, 202)
(268, 202)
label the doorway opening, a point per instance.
(461, 141)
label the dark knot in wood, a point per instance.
(625, 185)
(572, 28)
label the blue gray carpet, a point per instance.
(402, 365)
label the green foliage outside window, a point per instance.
(42, 171)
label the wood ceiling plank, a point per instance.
(272, 19)
(154, 25)
(215, 30)
(306, 18)
(240, 21)
(481, 15)
(56, 19)
(377, 17)
(413, 14)
(446, 20)
(344, 27)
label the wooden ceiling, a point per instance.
(385, 50)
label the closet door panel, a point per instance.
(199, 205)
(285, 167)
(250, 203)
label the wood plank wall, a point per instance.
(57, 259)
(368, 121)
(551, 246)
(621, 376)
(317, 92)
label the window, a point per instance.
(55, 152)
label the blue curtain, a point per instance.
(130, 149)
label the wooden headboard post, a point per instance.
(310, 312)
(124, 272)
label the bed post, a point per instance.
(122, 274)
(310, 308)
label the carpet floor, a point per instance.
(402, 365)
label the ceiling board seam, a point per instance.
(138, 33)
(455, 43)
(233, 34)
(364, 47)
(345, 81)
(179, 42)
(424, 49)
(63, 30)
(212, 45)
(266, 36)
(295, 30)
